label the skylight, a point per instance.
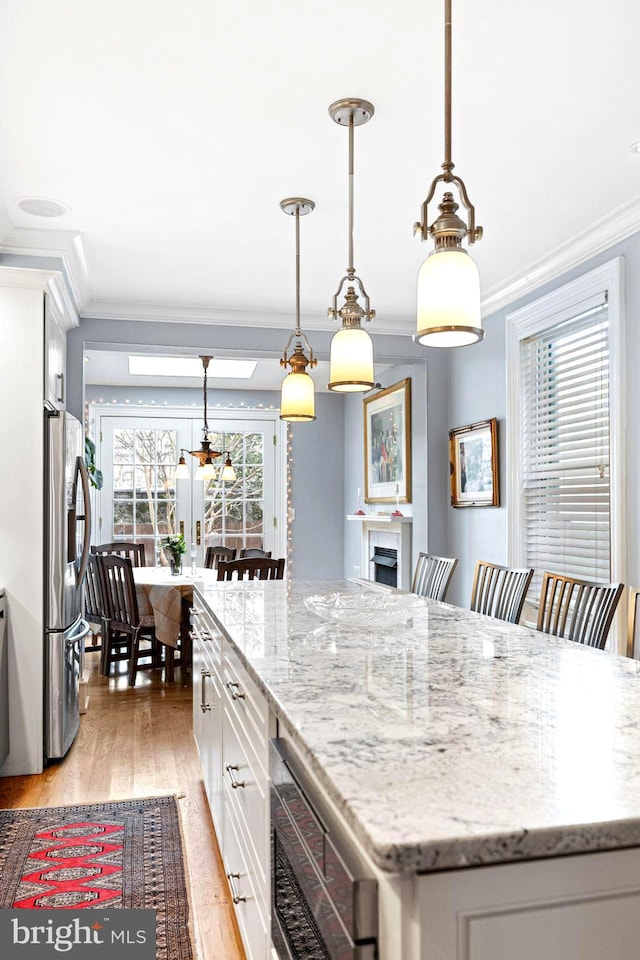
(219, 367)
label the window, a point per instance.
(144, 486)
(234, 512)
(565, 451)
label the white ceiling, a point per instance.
(173, 128)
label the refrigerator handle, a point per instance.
(73, 517)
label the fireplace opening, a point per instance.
(385, 566)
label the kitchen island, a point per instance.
(488, 775)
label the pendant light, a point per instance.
(448, 281)
(351, 358)
(205, 455)
(297, 400)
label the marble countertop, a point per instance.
(456, 740)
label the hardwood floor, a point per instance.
(138, 743)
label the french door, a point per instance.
(142, 500)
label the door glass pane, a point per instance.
(144, 486)
(234, 511)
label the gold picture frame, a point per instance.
(387, 445)
(473, 465)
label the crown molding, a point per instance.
(65, 245)
(621, 223)
(220, 316)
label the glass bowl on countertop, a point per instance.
(367, 609)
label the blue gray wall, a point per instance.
(477, 390)
(316, 458)
(429, 473)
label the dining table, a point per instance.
(168, 598)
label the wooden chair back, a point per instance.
(123, 548)
(255, 568)
(94, 602)
(632, 620)
(500, 592)
(214, 554)
(432, 576)
(247, 552)
(126, 627)
(579, 610)
(120, 592)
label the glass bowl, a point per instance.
(366, 609)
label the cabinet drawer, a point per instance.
(243, 886)
(248, 705)
(202, 626)
(247, 788)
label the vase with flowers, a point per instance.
(176, 547)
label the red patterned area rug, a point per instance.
(106, 855)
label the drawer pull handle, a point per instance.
(234, 783)
(236, 692)
(203, 705)
(235, 896)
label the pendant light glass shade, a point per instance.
(228, 473)
(206, 471)
(351, 361)
(182, 470)
(297, 399)
(449, 300)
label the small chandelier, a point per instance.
(297, 401)
(351, 358)
(205, 455)
(448, 281)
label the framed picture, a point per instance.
(387, 445)
(473, 464)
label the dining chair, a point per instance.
(632, 620)
(432, 576)
(94, 605)
(214, 554)
(126, 627)
(255, 568)
(248, 552)
(123, 548)
(500, 592)
(578, 610)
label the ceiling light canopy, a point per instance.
(297, 400)
(205, 455)
(448, 281)
(351, 359)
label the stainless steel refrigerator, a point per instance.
(66, 555)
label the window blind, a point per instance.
(565, 435)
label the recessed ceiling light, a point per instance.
(42, 206)
(191, 367)
(635, 147)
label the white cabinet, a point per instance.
(207, 709)
(55, 354)
(231, 727)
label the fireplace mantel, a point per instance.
(398, 531)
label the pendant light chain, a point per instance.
(447, 165)
(350, 268)
(351, 356)
(297, 398)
